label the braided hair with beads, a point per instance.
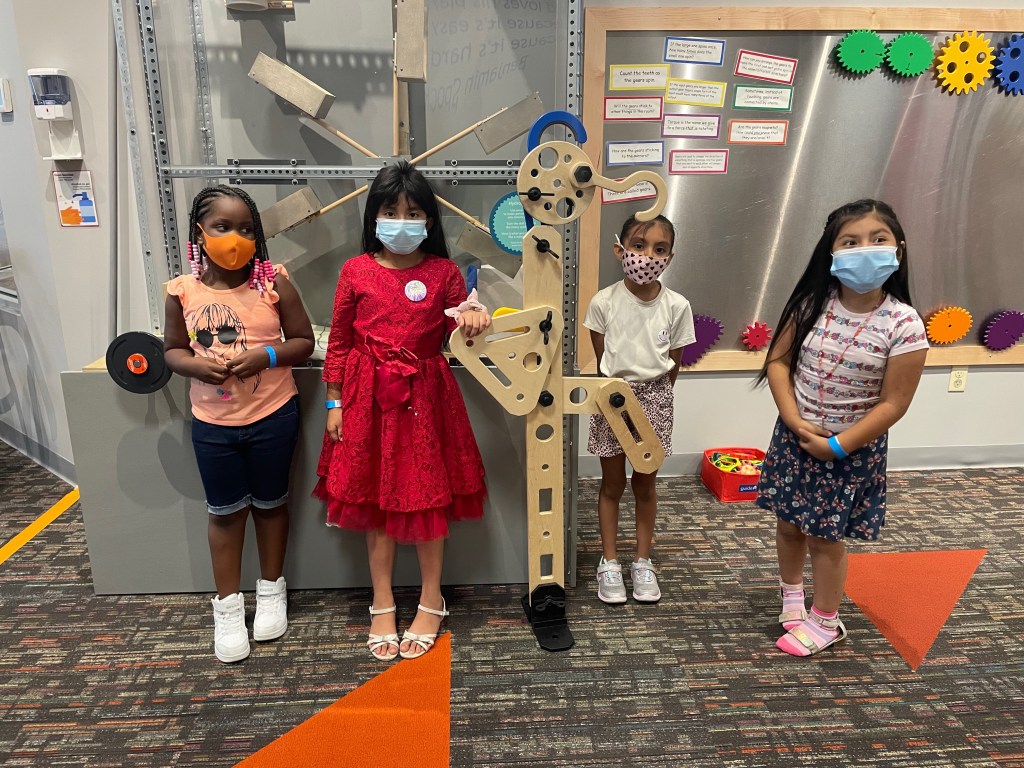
(261, 270)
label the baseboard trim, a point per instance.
(918, 457)
(40, 454)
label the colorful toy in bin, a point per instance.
(731, 474)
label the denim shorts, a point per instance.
(248, 465)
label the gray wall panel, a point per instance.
(145, 517)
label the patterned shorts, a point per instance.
(826, 499)
(655, 398)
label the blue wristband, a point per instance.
(837, 448)
(331, 404)
(272, 355)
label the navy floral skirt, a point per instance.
(826, 499)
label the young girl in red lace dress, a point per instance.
(399, 458)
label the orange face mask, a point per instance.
(230, 251)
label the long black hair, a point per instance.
(807, 301)
(402, 178)
(202, 204)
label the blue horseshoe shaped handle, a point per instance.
(556, 117)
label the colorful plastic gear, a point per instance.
(1010, 66)
(965, 62)
(949, 324)
(909, 54)
(757, 336)
(861, 51)
(1003, 330)
(707, 331)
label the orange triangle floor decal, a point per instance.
(910, 595)
(399, 718)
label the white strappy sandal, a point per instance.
(424, 642)
(376, 642)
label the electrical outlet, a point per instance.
(958, 380)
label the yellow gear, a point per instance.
(948, 325)
(965, 61)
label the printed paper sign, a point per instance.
(636, 152)
(692, 126)
(637, 77)
(758, 131)
(762, 66)
(779, 98)
(633, 108)
(699, 93)
(76, 202)
(698, 161)
(694, 50)
(642, 191)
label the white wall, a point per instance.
(65, 276)
(982, 426)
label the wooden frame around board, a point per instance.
(600, 21)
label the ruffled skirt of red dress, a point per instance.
(408, 471)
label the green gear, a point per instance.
(909, 54)
(861, 51)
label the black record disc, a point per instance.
(135, 361)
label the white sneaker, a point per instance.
(645, 582)
(230, 640)
(610, 588)
(271, 609)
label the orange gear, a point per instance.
(948, 325)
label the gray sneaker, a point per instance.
(645, 583)
(610, 588)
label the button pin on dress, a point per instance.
(415, 290)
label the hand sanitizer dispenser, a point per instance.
(51, 101)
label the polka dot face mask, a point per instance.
(641, 269)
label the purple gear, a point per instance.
(708, 330)
(1004, 330)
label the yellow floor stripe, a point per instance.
(37, 525)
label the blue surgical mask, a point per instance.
(401, 236)
(865, 269)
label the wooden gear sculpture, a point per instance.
(526, 347)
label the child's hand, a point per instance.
(249, 363)
(814, 429)
(473, 322)
(816, 445)
(209, 370)
(334, 424)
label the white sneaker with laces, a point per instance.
(230, 638)
(271, 609)
(645, 582)
(610, 588)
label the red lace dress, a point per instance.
(407, 461)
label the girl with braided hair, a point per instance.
(236, 326)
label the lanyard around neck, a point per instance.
(829, 316)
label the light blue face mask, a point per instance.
(864, 269)
(402, 236)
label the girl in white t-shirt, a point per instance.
(842, 369)
(638, 328)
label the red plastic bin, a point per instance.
(730, 486)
